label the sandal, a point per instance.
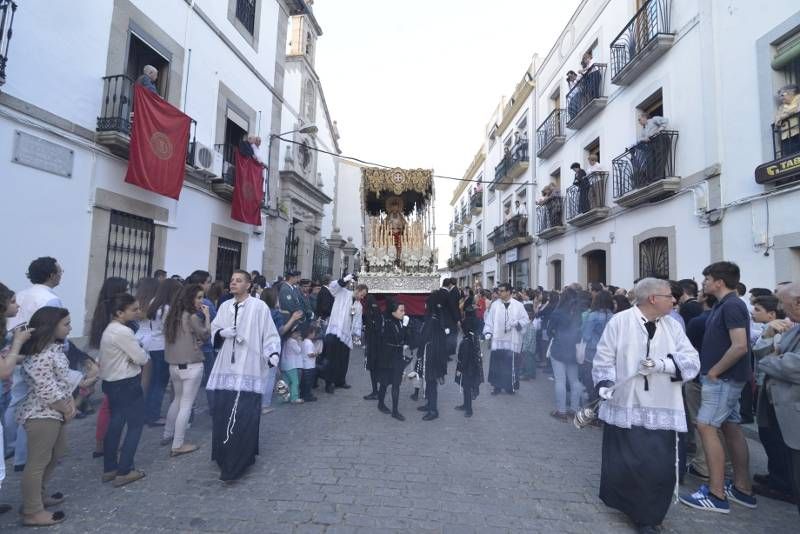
(55, 518)
(54, 499)
(132, 476)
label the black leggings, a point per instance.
(394, 377)
(373, 376)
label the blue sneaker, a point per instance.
(703, 499)
(739, 497)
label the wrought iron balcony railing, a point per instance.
(517, 154)
(645, 163)
(587, 195)
(513, 228)
(8, 8)
(228, 162)
(552, 131)
(476, 201)
(550, 214)
(474, 251)
(587, 90)
(650, 24)
(786, 136)
(117, 105)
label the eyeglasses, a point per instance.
(666, 296)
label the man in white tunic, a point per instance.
(249, 345)
(344, 324)
(641, 361)
(504, 322)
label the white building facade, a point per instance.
(669, 196)
(65, 115)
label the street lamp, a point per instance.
(310, 129)
(7, 10)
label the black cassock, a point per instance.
(469, 367)
(235, 450)
(638, 472)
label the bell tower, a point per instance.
(303, 35)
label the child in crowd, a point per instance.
(310, 353)
(292, 363)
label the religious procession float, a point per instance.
(399, 256)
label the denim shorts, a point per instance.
(719, 402)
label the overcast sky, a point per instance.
(413, 83)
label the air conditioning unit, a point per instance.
(207, 160)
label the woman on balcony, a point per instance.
(787, 120)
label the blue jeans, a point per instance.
(209, 356)
(15, 434)
(561, 373)
(158, 384)
(719, 402)
(126, 401)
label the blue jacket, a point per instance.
(593, 326)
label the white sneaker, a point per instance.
(298, 401)
(266, 410)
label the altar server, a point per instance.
(504, 322)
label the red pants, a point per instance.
(103, 419)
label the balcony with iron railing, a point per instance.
(586, 200)
(223, 186)
(453, 229)
(466, 214)
(646, 171)
(513, 165)
(116, 119)
(510, 234)
(476, 202)
(474, 253)
(644, 39)
(785, 167)
(587, 97)
(550, 217)
(552, 133)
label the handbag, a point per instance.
(580, 352)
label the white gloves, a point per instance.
(273, 360)
(605, 393)
(663, 365)
(348, 278)
(447, 331)
(405, 320)
(228, 333)
(487, 337)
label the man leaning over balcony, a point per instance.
(596, 193)
(148, 78)
(647, 154)
(787, 119)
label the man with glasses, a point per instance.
(504, 322)
(641, 361)
(725, 368)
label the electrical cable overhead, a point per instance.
(373, 164)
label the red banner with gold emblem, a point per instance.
(159, 142)
(248, 190)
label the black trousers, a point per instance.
(374, 378)
(307, 379)
(467, 398)
(338, 356)
(779, 456)
(393, 376)
(432, 394)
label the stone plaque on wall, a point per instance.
(42, 154)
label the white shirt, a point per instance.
(596, 167)
(309, 361)
(30, 300)
(501, 322)
(151, 331)
(621, 349)
(242, 362)
(345, 314)
(292, 355)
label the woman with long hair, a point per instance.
(564, 330)
(121, 361)
(621, 303)
(45, 411)
(284, 325)
(600, 313)
(111, 287)
(184, 334)
(154, 321)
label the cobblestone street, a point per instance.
(339, 465)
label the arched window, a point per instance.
(654, 258)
